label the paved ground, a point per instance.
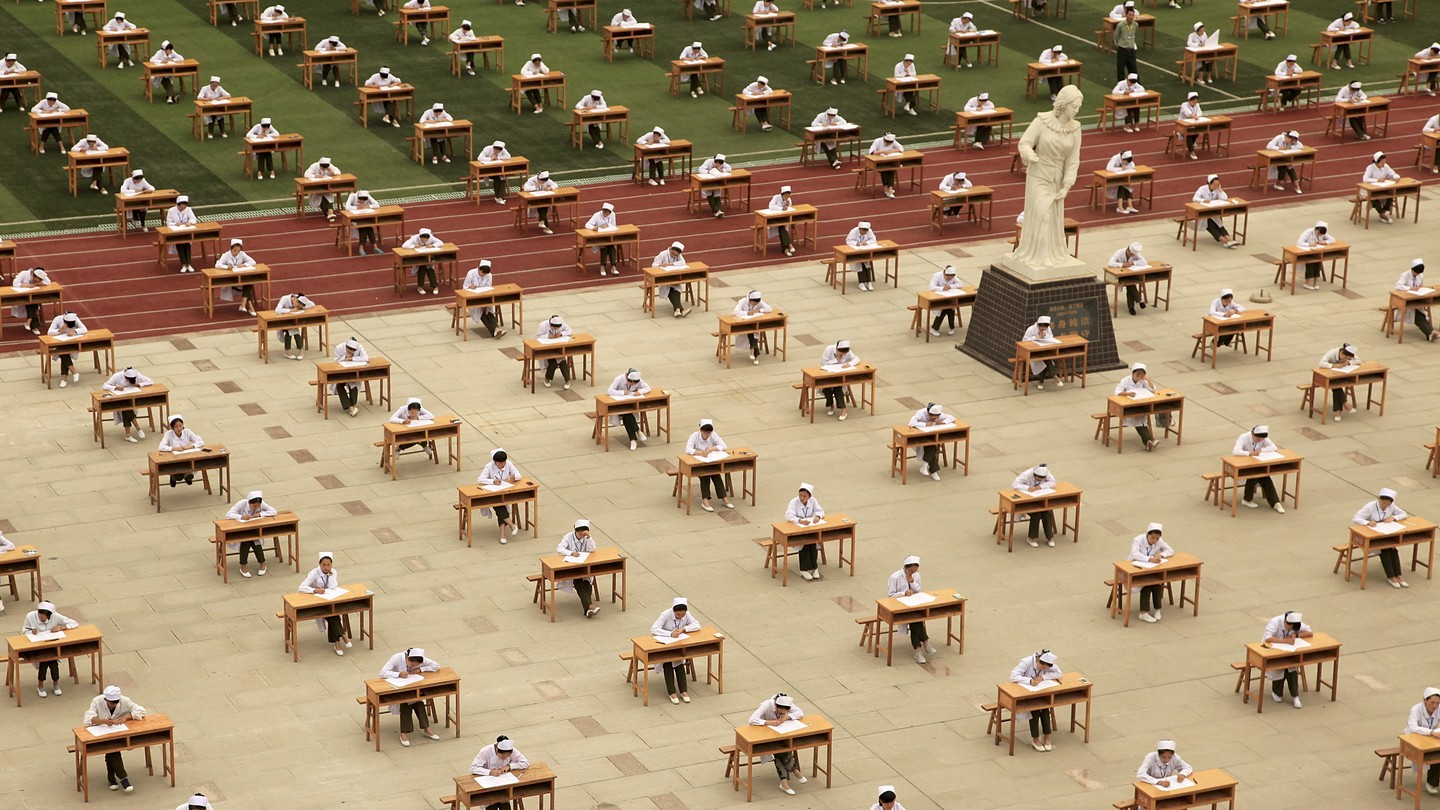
(255, 728)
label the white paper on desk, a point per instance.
(1421, 291)
(1141, 394)
(353, 364)
(404, 681)
(916, 600)
(427, 249)
(1299, 644)
(1037, 493)
(623, 397)
(935, 427)
(695, 61)
(131, 390)
(1213, 203)
(1041, 685)
(183, 452)
(1347, 369)
(680, 266)
(1202, 119)
(496, 781)
(1178, 785)
(833, 367)
(64, 337)
(951, 293)
(609, 228)
(53, 635)
(1389, 528)
(541, 193)
(500, 487)
(986, 31)
(101, 731)
(1138, 267)
(1050, 341)
(1383, 183)
(421, 423)
(714, 456)
(1267, 456)
(788, 727)
(1213, 41)
(21, 289)
(1143, 564)
(748, 315)
(330, 594)
(550, 341)
(669, 640)
(577, 557)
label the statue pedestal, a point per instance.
(1008, 303)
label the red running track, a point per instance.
(117, 284)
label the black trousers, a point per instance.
(887, 178)
(894, 23)
(608, 255)
(1267, 488)
(1146, 435)
(1189, 139)
(834, 397)
(1289, 97)
(1215, 229)
(127, 418)
(51, 132)
(1133, 295)
(1132, 117)
(1383, 206)
(1042, 721)
(762, 115)
(841, 68)
(552, 365)
(1390, 561)
(334, 629)
(182, 249)
(169, 87)
(543, 214)
(1262, 25)
(11, 92)
(1055, 84)
(298, 337)
(265, 162)
(786, 764)
(809, 557)
(32, 316)
(122, 53)
(675, 677)
(594, 130)
(213, 121)
(1047, 518)
(831, 152)
(1358, 124)
(1045, 373)
(585, 589)
(1342, 51)
(115, 768)
(369, 236)
(534, 96)
(944, 315)
(708, 481)
(441, 147)
(252, 545)
(866, 273)
(918, 634)
(326, 70)
(656, 168)
(1286, 173)
(424, 274)
(911, 98)
(982, 134)
(676, 302)
(1385, 11)
(1422, 321)
(632, 428)
(1291, 679)
(488, 319)
(1125, 63)
(1337, 399)
(53, 667)
(389, 107)
(1150, 596)
(717, 203)
(420, 715)
(349, 395)
(930, 454)
(502, 514)
(67, 362)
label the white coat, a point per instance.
(243, 511)
(532, 69)
(169, 441)
(318, 581)
(1049, 57)
(547, 330)
(1128, 384)
(1124, 258)
(354, 202)
(898, 585)
(403, 413)
(1033, 333)
(1410, 280)
(130, 186)
(600, 220)
(177, 217)
(1332, 359)
(711, 169)
(1152, 770)
(1247, 443)
(767, 712)
(1119, 164)
(828, 121)
(477, 279)
(1125, 88)
(490, 759)
(1277, 628)
(1141, 550)
(118, 382)
(499, 473)
(798, 511)
(1220, 309)
(698, 445)
(1376, 174)
(399, 666)
(667, 622)
(1372, 512)
(100, 710)
(1031, 667)
(59, 327)
(314, 172)
(1422, 722)
(292, 303)
(623, 386)
(940, 283)
(1206, 194)
(880, 146)
(923, 418)
(361, 356)
(1031, 478)
(570, 544)
(833, 356)
(34, 624)
(857, 238)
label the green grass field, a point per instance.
(32, 188)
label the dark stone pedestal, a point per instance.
(1006, 305)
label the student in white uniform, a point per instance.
(332, 43)
(1042, 370)
(272, 40)
(542, 182)
(752, 305)
(1124, 195)
(673, 256)
(629, 384)
(929, 416)
(964, 24)
(1131, 385)
(694, 51)
(112, 708)
(1425, 720)
(31, 278)
(945, 281)
(761, 87)
(885, 794)
(861, 236)
(499, 759)
(715, 197)
(50, 105)
(480, 277)
(555, 328)
(178, 439)
(953, 182)
(579, 541)
(1285, 629)
(1225, 307)
(655, 168)
(401, 665)
(905, 69)
(321, 168)
(1340, 357)
(1414, 279)
(322, 578)
(365, 234)
(593, 103)
(625, 19)
(1151, 547)
(213, 91)
(605, 219)
(1384, 510)
(294, 302)
(1205, 69)
(784, 201)
(501, 470)
(425, 273)
(10, 67)
(1131, 86)
(979, 135)
(69, 325)
(439, 147)
(1378, 172)
(1342, 51)
(414, 411)
(264, 160)
(839, 68)
(1430, 79)
(702, 442)
(234, 259)
(674, 622)
(838, 353)
(251, 507)
(1353, 94)
(805, 510)
(1285, 141)
(384, 78)
(1054, 55)
(535, 67)
(120, 381)
(349, 352)
(166, 55)
(765, 35)
(1285, 70)
(1164, 767)
(1034, 669)
(46, 619)
(1032, 480)
(1189, 111)
(499, 185)
(906, 582)
(887, 144)
(423, 28)
(195, 802)
(1252, 443)
(89, 144)
(1131, 256)
(121, 53)
(1211, 191)
(829, 144)
(181, 215)
(466, 33)
(5, 547)
(776, 711)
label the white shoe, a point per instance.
(803, 780)
(935, 333)
(1278, 187)
(1295, 702)
(56, 690)
(261, 572)
(1033, 542)
(63, 382)
(1274, 697)
(784, 789)
(42, 694)
(707, 507)
(339, 651)
(641, 435)
(1146, 617)
(1432, 790)
(815, 572)
(425, 41)
(503, 541)
(1280, 508)
(805, 575)
(1250, 504)
(1059, 383)
(634, 444)
(132, 440)
(354, 411)
(1037, 746)
(919, 657)
(1050, 542)
(934, 476)
(74, 376)
(1156, 614)
(924, 468)
(929, 648)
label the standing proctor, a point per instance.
(1383, 510)
(674, 623)
(111, 708)
(1253, 443)
(1286, 628)
(906, 582)
(1151, 548)
(1124, 40)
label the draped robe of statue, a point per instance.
(1050, 149)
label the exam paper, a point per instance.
(404, 681)
(421, 423)
(183, 452)
(1141, 394)
(550, 341)
(352, 363)
(500, 487)
(1041, 685)
(1178, 785)
(916, 600)
(1269, 456)
(833, 367)
(1037, 493)
(1421, 291)
(1143, 564)
(578, 557)
(1050, 341)
(1388, 528)
(331, 594)
(64, 337)
(668, 640)
(496, 781)
(53, 635)
(1299, 644)
(715, 456)
(788, 727)
(101, 731)
(934, 427)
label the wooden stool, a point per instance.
(1102, 428)
(539, 582)
(998, 717)
(1344, 556)
(1126, 804)
(1432, 462)
(868, 628)
(1357, 210)
(1391, 764)
(1212, 486)
(1242, 670)
(450, 802)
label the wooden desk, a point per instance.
(149, 399)
(536, 781)
(1144, 35)
(300, 607)
(1118, 105)
(1414, 532)
(1257, 321)
(857, 52)
(1368, 373)
(759, 741)
(1138, 277)
(1221, 126)
(1014, 503)
(267, 321)
(519, 84)
(291, 28)
(483, 172)
(905, 439)
(1414, 70)
(245, 7)
(1276, 14)
(27, 81)
(182, 70)
(125, 204)
(204, 236)
(978, 202)
(786, 535)
(735, 326)
(393, 435)
(1401, 302)
(882, 11)
(1105, 180)
(780, 23)
(1064, 352)
(380, 693)
(259, 530)
(1261, 658)
(23, 561)
(466, 300)
(376, 218)
(738, 459)
(813, 381)
(1293, 256)
(625, 239)
(1073, 690)
(445, 258)
(216, 278)
(883, 250)
(803, 220)
(926, 86)
(189, 462)
(84, 640)
(1307, 82)
(1002, 118)
(986, 45)
(336, 185)
(518, 496)
(7, 260)
(402, 95)
(779, 100)
(911, 159)
(152, 730)
(1421, 753)
(678, 149)
(711, 70)
(483, 45)
(1036, 72)
(437, 17)
(583, 10)
(1165, 401)
(846, 139)
(1180, 567)
(96, 341)
(1342, 111)
(1212, 787)
(927, 301)
(328, 373)
(344, 59)
(1302, 160)
(74, 122)
(11, 296)
(563, 202)
(136, 39)
(1399, 190)
(229, 108)
(1223, 55)
(890, 613)
(1237, 209)
(641, 37)
(282, 145)
(690, 276)
(441, 131)
(102, 162)
(554, 570)
(738, 179)
(1360, 39)
(538, 353)
(606, 406)
(647, 653)
(1235, 469)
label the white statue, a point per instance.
(1050, 149)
